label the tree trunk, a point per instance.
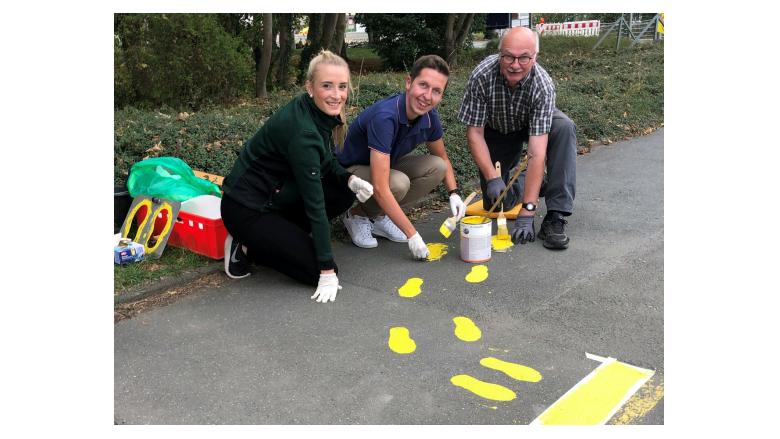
(286, 39)
(455, 38)
(313, 43)
(338, 36)
(265, 57)
(328, 29)
(343, 52)
(449, 37)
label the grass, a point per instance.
(173, 262)
(610, 95)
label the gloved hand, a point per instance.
(457, 206)
(363, 189)
(523, 230)
(417, 246)
(494, 188)
(327, 288)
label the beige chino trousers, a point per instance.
(411, 178)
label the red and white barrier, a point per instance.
(570, 28)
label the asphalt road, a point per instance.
(259, 351)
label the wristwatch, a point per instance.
(529, 206)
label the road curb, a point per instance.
(167, 283)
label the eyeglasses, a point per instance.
(523, 59)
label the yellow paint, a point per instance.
(145, 202)
(595, 399)
(444, 230)
(514, 370)
(501, 243)
(483, 389)
(400, 342)
(436, 251)
(475, 220)
(640, 404)
(168, 224)
(411, 288)
(466, 330)
(477, 274)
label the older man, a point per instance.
(509, 100)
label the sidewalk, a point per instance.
(260, 351)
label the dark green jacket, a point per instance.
(281, 166)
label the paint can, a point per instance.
(475, 234)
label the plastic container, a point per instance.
(199, 227)
(122, 202)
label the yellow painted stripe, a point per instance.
(597, 397)
(641, 403)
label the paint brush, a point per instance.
(450, 223)
(502, 232)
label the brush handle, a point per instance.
(500, 198)
(470, 198)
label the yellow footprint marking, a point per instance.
(400, 342)
(436, 251)
(483, 389)
(516, 371)
(411, 288)
(478, 274)
(501, 245)
(466, 330)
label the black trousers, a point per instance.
(280, 240)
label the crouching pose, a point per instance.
(378, 148)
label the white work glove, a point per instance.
(457, 206)
(363, 189)
(327, 288)
(417, 247)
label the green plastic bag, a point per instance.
(168, 177)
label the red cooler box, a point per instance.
(199, 227)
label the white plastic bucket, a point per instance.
(475, 235)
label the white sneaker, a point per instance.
(386, 228)
(359, 229)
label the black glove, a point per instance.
(524, 230)
(494, 188)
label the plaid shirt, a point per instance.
(488, 100)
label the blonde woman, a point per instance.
(286, 185)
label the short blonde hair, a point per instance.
(328, 57)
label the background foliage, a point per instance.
(180, 60)
(399, 39)
(609, 95)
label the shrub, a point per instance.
(608, 95)
(180, 60)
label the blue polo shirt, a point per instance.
(384, 127)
